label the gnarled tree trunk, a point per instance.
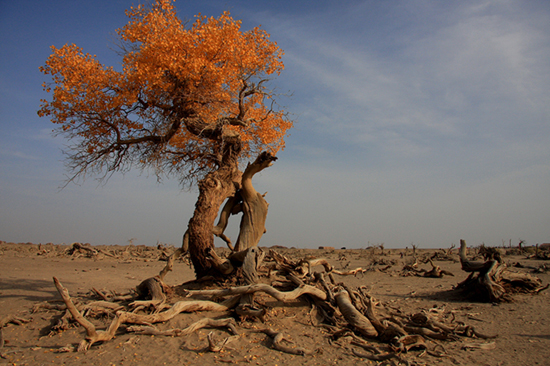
(254, 205)
(213, 190)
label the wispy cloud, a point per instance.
(476, 76)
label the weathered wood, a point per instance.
(494, 281)
(203, 323)
(254, 205)
(278, 295)
(224, 266)
(353, 316)
(278, 338)
(92, 336)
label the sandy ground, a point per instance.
(26, 271)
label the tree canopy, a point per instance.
(186, 97)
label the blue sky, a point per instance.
(417, 121)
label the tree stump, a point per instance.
(492, 281)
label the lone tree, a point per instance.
(189, 101)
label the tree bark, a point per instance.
(213, 190)
(254, 205)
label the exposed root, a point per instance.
(343, 311)
(203, 323)
(494, 282)
(278, 338)
(353, 316)
(281, 296)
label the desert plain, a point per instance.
(31, 307)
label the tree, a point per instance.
(188, 101)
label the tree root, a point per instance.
(342, 310)
(203, 323)
(278, 338)
(494, 282)
(12, 319)
(278, 295)
(353, 316)
(93, 336)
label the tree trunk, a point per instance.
(254, 205)
(213, 190)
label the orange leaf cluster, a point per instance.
(168, 69)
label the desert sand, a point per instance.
(522, 326)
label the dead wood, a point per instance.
(407, 342)
(338, 308)
(353, 316)
(471, 266)
(375, 355)
(352, 272)
(90, 252)
(218, 347)
(231, 207)
(436, 271)
(494, 282)
(387, 330)
(177, 308)
(92, 336)
(321, 279)
(319, 262)
(203, 323)
(490, 345)
(278, 295)
(151, 289)
(224, 266)
(250, 265)
(12, 319)
(252, 205)
(278, 338)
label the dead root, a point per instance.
(228, 323)
(343, 311)
(122, 317)
(493, 281)
(279, 338)
(279, 295)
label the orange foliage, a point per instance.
(210, 71)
